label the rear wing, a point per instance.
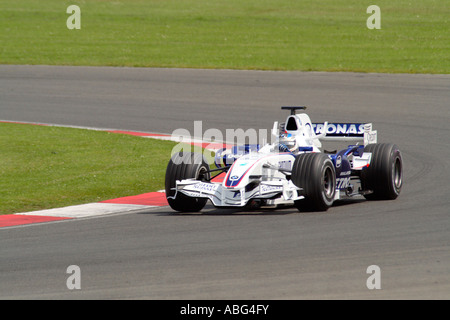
(345, 132)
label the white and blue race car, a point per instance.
(293, 170)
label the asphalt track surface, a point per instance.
(229, 254)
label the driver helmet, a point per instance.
(287, 142)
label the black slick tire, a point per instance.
(316, 175)
(185, 166)
(384, 176)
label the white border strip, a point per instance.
(87, 210)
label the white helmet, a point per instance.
(287, 142)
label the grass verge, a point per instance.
(328, 35)
(44, 167)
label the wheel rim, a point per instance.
(328, 183)
(397, 174)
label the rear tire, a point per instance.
(185, 166)
(316, 175)
(384, 176)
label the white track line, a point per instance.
(87, 210)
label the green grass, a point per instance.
(45, 167)
(327, 35)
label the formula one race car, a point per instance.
(290, 171)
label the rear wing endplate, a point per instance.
(345, 132)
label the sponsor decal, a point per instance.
(267, 189)
(205, 187)
(340, 129)
(342, 183)
(285, 164)
(370, 137)
(338, 161)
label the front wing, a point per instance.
(276, 192)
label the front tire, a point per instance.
(384, 176)
(182, 166)
(316, 175)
